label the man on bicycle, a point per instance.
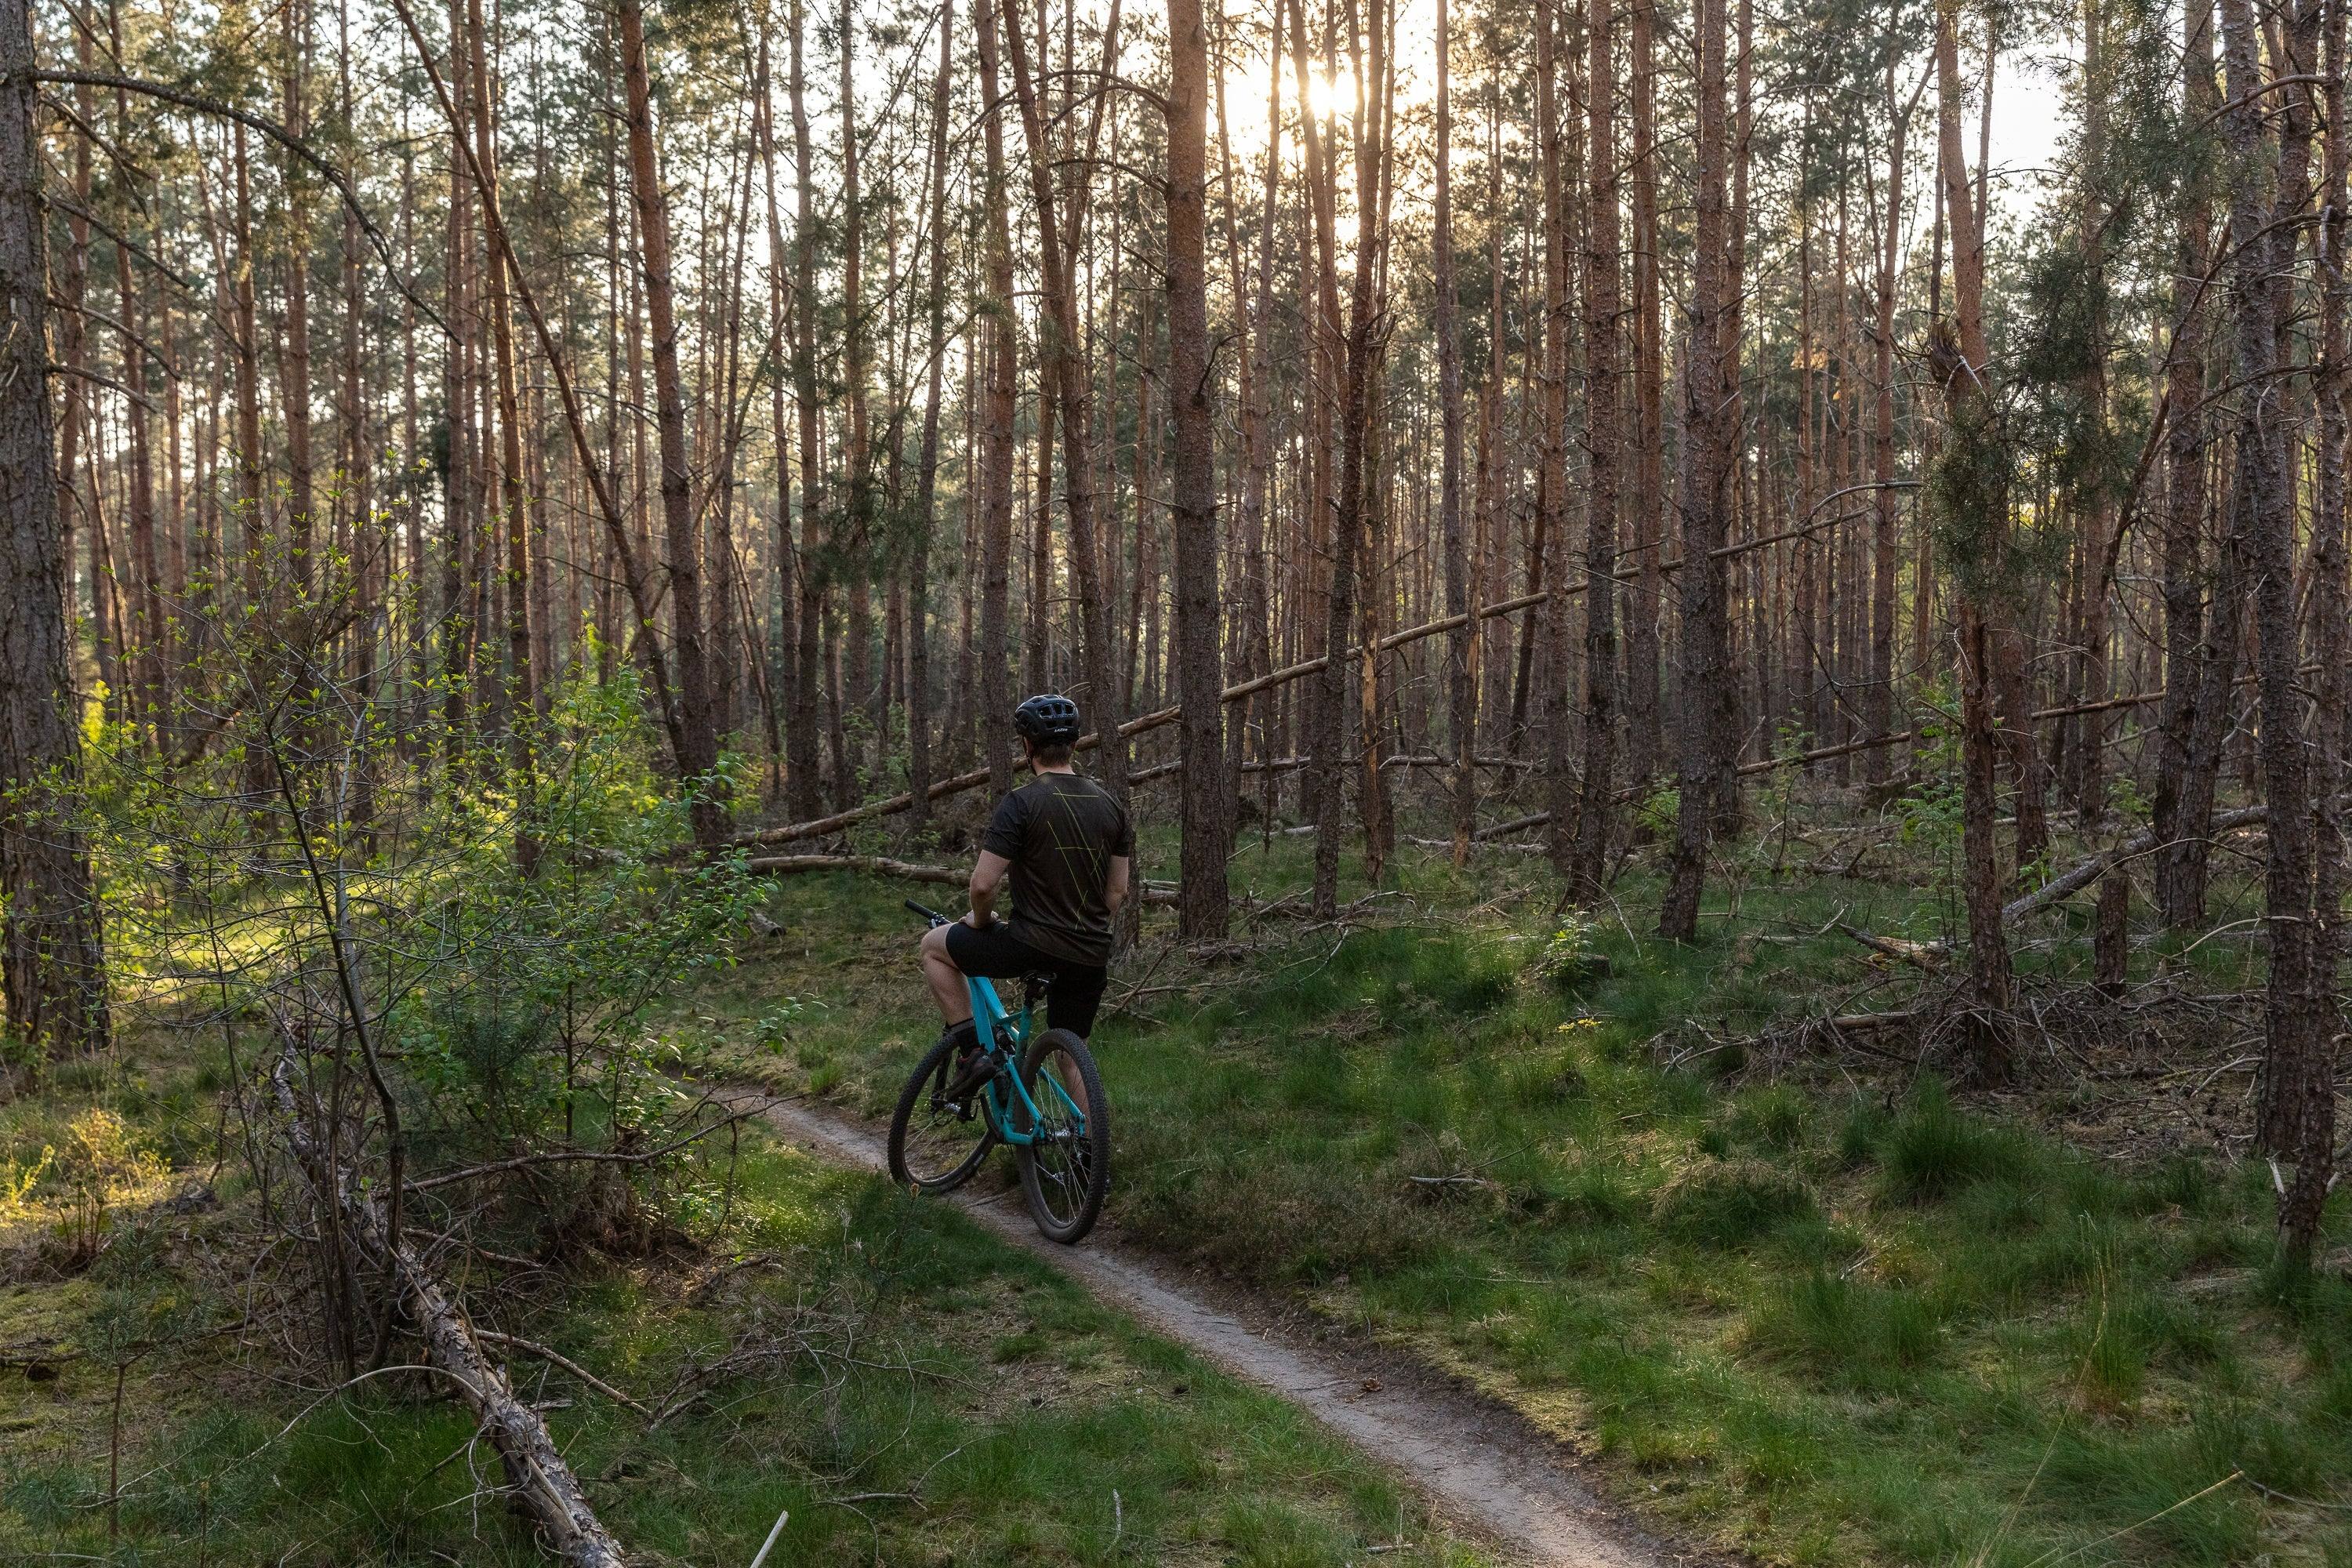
(1069, 846)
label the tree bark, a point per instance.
(520, 691)
(1556, 703)
(1648, 527)
(544, 1485)
(1884, 548)
(1596, 813)
(2304, 1206)
(699, 741)
(860, 686)
(919, 570)
(2088, 757)
(52, 959)
(1253, 635)
(2298, 1067)
(1461, 654)
(996, 452)
(294, 387)
(1705, 682)
(1208, 802)
(1073, 396)
(1328, 720)
(2181, 806)
(786, 679)
(802, 773)
(1964, 370)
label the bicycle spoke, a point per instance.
(1061, 1152)
(937, 1142)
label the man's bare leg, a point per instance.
(946, 981)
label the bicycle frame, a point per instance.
(992, 1022)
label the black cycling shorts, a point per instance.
(997, 954)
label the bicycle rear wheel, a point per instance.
(1066, 1167)
(937, 1143)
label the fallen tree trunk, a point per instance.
(558, 1359)
(2089, 871)
(818, 827)
(1158, 718)
(908, 870)
(1293, 764)
(1847, 749)
(534, 1466)
(876, 865)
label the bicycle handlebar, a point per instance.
(929, 913)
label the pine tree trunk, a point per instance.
(1704, 683)
(699, 741)
(52, 959)
(1065, 366)
(147, 661)
(1648, 525)
(2178, 813)
(857, 631)
(2304, 1206)
(1255, 327)
(804, 778)
(1596, 811)
(996, 452)
(1556, 703)
(784, 671)
(1884, 549)
(1200, 911)
(1965, 371)
(918, 586)
(2298, 1004)
(1461, 646)
(253, 529)
(521, 693)
(2088, 735)
(294, 388)
(1335, 343)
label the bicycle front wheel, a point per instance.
(1066, 1165)
(937, 1143)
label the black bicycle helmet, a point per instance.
(1047, 720)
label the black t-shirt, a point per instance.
(1061, 832)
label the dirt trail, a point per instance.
(1480, 1463)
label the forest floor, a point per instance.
(1476, 1460)
(1789, 1294)
(1782, 1292)
(910, 1388)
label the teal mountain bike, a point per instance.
(1038, 1091)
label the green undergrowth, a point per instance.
(907, 1388)
(1846, 1316)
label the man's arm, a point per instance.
(1115, 890)
(986, 873)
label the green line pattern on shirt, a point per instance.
(1091, 861)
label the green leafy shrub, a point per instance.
(1571, 957)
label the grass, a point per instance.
(1824, 1320)
(938, 1398)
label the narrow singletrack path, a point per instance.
(1481, 1464)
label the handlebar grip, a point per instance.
(929, 913)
